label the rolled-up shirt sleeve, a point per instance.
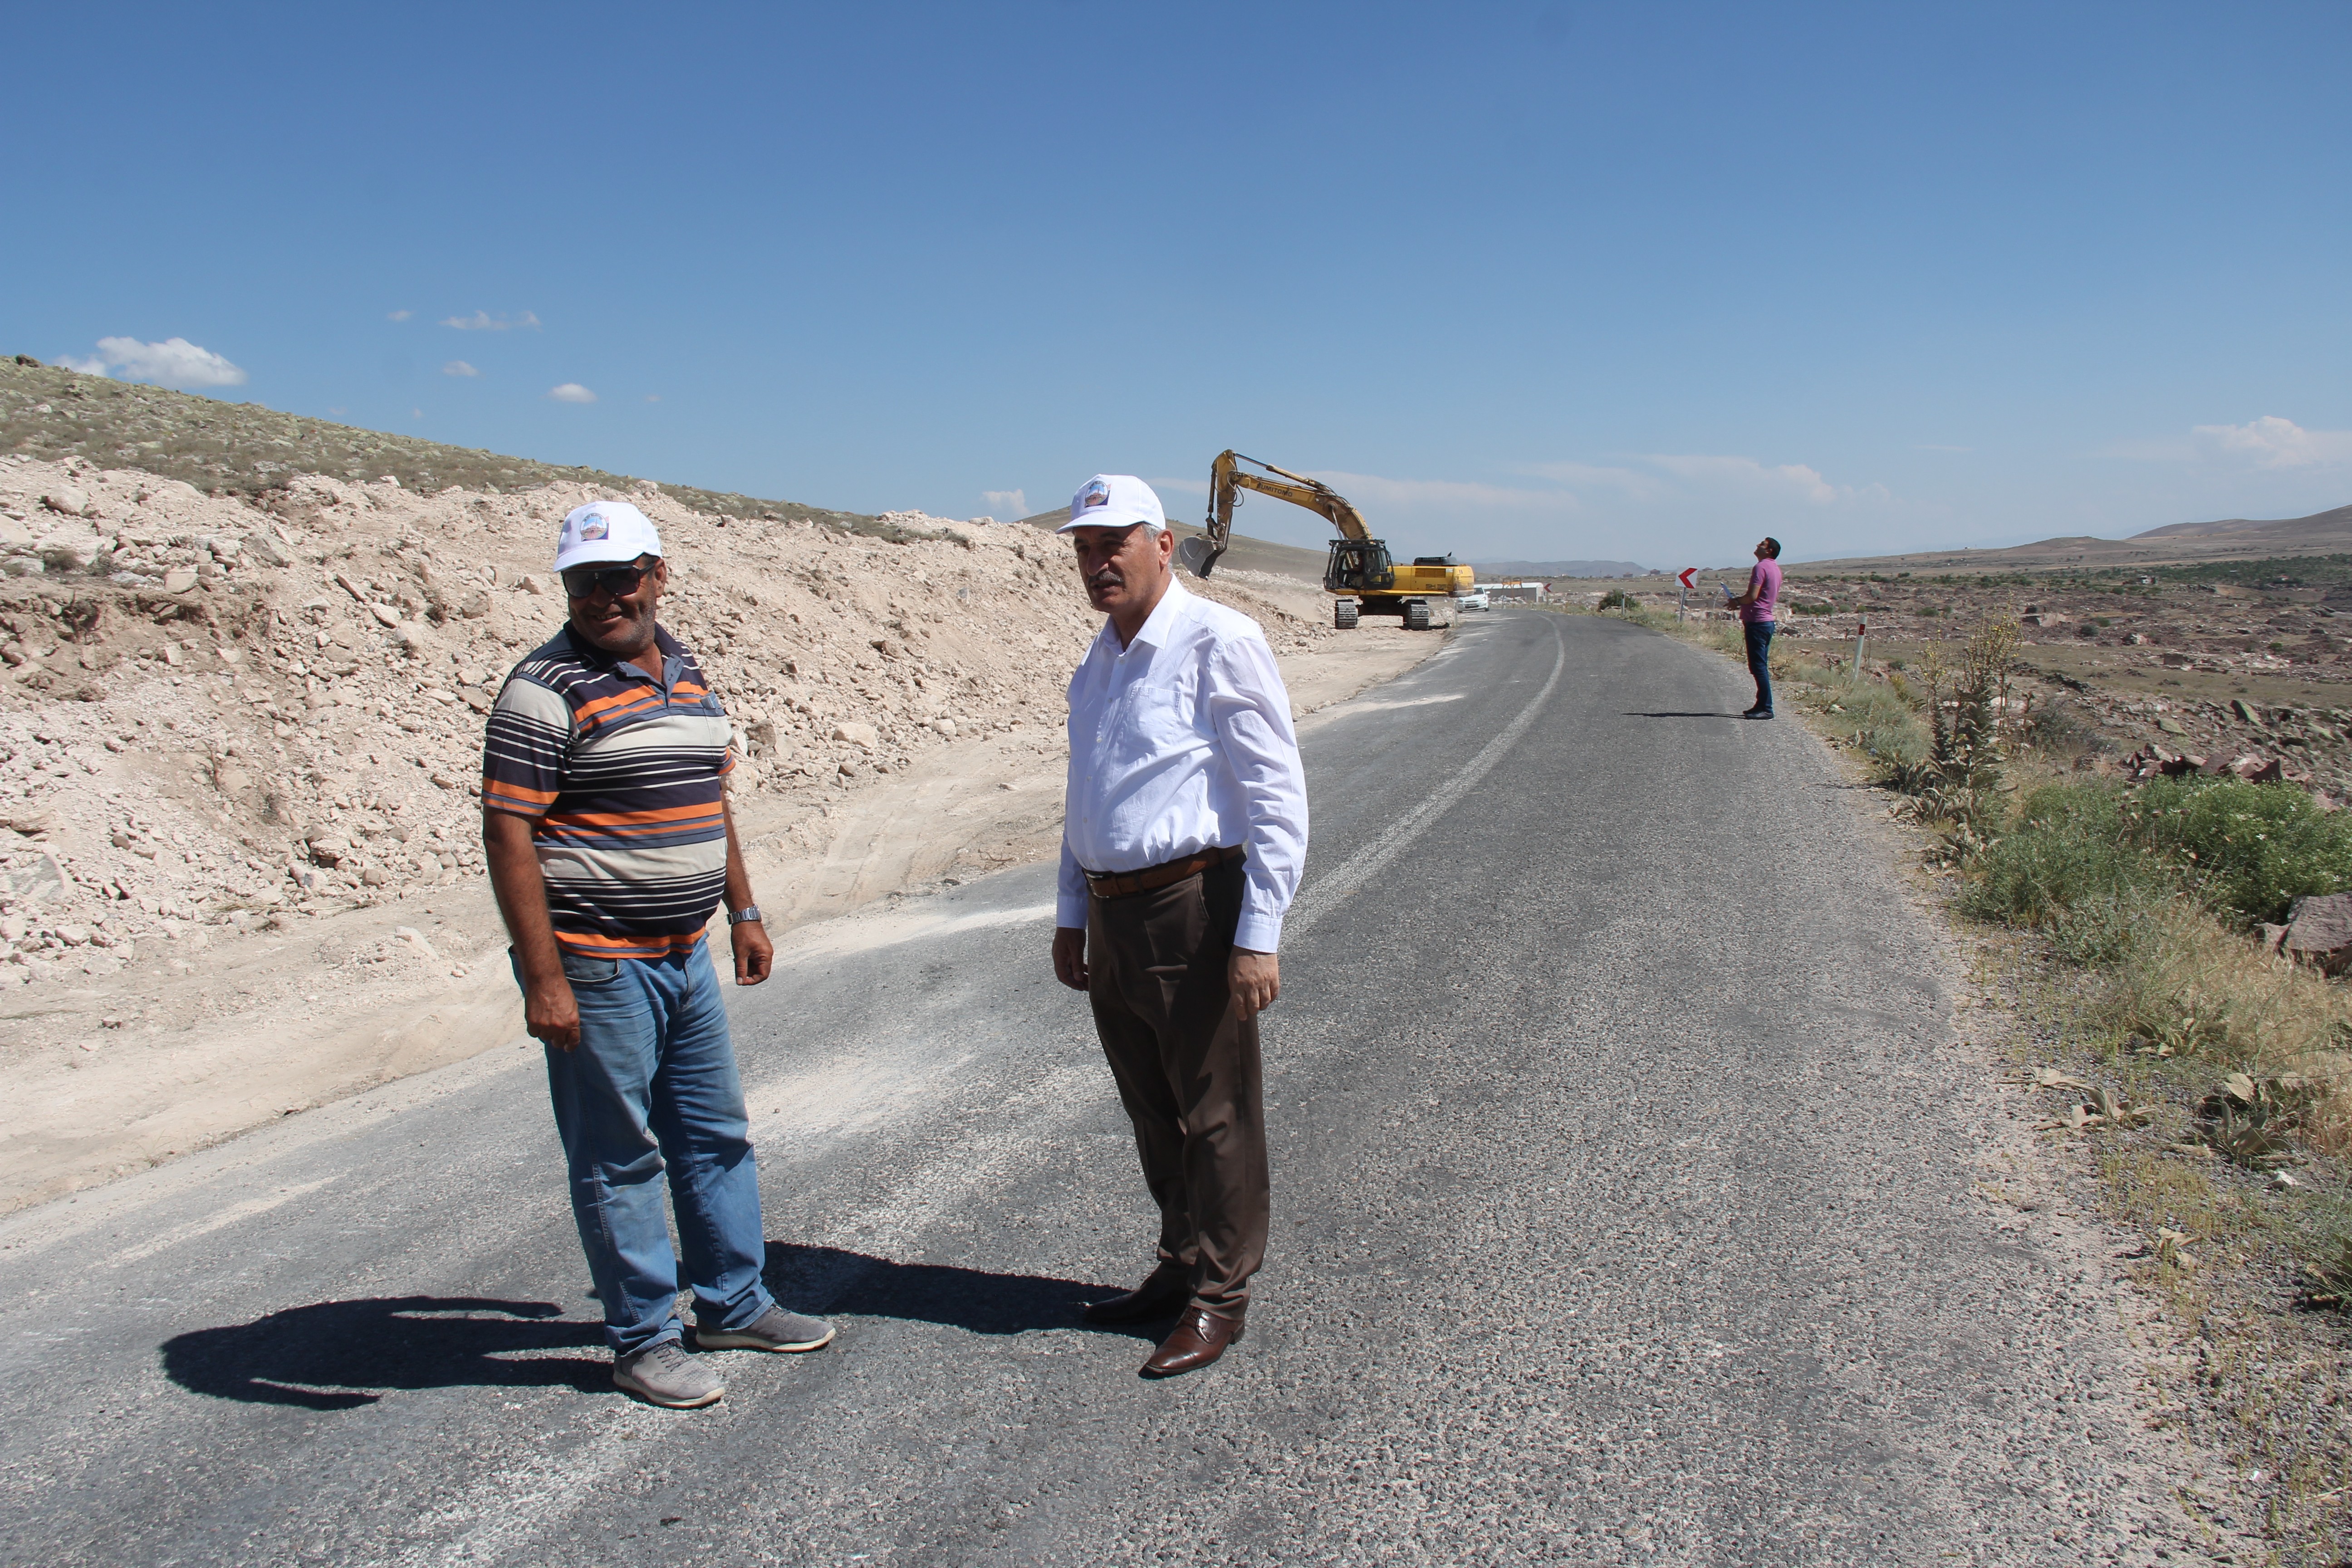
(1251, 712)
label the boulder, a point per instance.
(2319, 932)
(2255, 770)
(179, 579)
(266, 550)
(858, 734)
(69, 551)
(70, 499)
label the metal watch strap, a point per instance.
(744, 916)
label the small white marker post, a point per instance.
(1861, 631)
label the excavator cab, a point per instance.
(1358, 566)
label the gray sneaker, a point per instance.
(774, 1330)
(663, 1373)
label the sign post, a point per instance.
(1861, 630)
(1683, 577)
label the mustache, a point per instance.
(1105, 577)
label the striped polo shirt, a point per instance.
(622, 778)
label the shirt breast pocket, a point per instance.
(1168, 710)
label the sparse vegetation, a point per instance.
(2213, 1073)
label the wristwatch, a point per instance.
(749, 912)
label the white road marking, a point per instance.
(865, 933)
(212, 1222)
(1385, 704)
(1319, 898)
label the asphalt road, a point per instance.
(1623, 1156)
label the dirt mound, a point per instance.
(217, 709)
(239, 740)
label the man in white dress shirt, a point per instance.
(1184, 828)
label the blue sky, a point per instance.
(1542, 280)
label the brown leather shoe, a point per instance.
(1162, 1293)
(1201, 1337)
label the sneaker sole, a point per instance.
(638, 1391)
(723, 1341)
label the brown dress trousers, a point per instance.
(1188, 1073)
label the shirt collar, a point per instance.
(1164, 616)
(666, 647)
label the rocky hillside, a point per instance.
(245, 449)
(232, 710)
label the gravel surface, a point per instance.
(1626, 1168)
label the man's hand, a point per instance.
(1255, 979)
(1070, 956)
(549, 1012)
(755, 956)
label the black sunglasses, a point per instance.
(618, 581)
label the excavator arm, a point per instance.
(1227, 479)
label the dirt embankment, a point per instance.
(239, 743)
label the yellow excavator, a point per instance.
(1359, 575)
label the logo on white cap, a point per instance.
(604, 531)
(1114, 500)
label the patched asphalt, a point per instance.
(1626, 1167)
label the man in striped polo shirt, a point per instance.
(605, 817)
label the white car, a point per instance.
(1472, 602)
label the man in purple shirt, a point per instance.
(1755, 613)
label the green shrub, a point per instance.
(2070, 861)
(1617, 599)
(2251, 850)
(2085, 862)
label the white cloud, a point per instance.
(483, 321)
(570, 392)
(175, 362)
(459, 367)
(399, 315)
(2272, 442)
(1014, 503)
(1377, 491)
(1640, 486)
(1747, 473)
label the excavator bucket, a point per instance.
(1198, 556)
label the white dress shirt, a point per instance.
(1182, 741)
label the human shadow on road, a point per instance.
(337, 1355)
(830, 1280)
(1678, 715)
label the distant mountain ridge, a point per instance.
(2328, 526)
(2175, 545)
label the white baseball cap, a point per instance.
(1114, 500)
(604, 531)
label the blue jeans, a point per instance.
(651, 1090)
(1759, 661)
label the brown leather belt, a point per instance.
(1151, 878)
